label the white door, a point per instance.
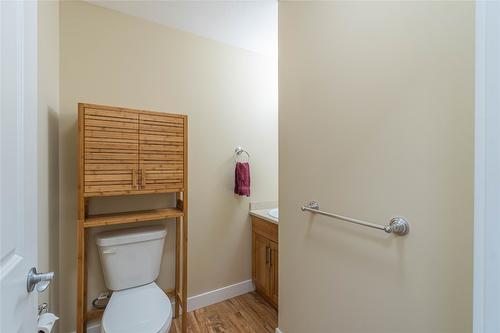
(18, 164)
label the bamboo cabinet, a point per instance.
(125, 152)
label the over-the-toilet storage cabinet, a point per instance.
(132, 152)
(124, 152)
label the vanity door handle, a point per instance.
(268, 257)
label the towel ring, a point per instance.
(238, 151)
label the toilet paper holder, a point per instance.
(46, 322)
(43, 308)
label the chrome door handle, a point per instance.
(39, 280)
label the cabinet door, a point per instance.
(261, 258)
(161, 152)
(273, 279)
(111, 151)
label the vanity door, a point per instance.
(111, 150)
(261, 264)
(273, 278)
(161, 152)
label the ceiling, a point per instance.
(251, 25)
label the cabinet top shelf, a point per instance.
(116, 108)
(131, 217)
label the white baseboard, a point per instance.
(219, 295)
(94, 328)
(278, 330)
(205, 299)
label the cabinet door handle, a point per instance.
(143, 180)
(270, 257)
(268, 260)
(134, 178)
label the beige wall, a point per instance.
(48, 146)
(376, 119)
(230, 96)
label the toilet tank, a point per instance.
(131, 257)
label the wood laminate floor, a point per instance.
(245, 313)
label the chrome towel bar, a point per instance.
(398, 225)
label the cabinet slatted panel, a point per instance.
(161, 152)
(111, 151)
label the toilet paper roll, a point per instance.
(46, 322)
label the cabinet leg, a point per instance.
(177, 264)
(184, 270)
(81, 280)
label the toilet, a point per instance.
(130, 260)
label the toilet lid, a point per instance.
(143, 309)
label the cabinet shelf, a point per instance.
(131, 217)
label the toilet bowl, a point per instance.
(144, 309)
(130, 259)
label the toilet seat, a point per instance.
(144, 309)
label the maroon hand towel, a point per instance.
(242, 179)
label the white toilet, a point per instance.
(130, 260)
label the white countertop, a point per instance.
(263, 214)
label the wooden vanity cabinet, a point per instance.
(265, 259)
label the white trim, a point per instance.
(205, 299)
(479, 171)
(219, 295)
(487, 170)
(94, 328)
(278, 330)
